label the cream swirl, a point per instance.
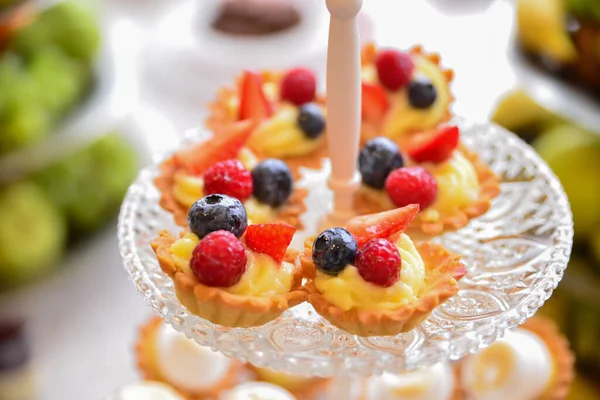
(257, 391)
(435, 383)
(517, 367)
(187, 364)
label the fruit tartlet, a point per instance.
(450, 183)
(228, 272)
(257, 391)
(434, 383)
(290, 117)
(197, 372)
(303, 388)
(532, 363)
(224, 165)
(371, 279)
(403, 92)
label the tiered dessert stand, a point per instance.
(515, 254)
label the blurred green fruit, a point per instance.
(73, 28)
(22, 120)
(517, 112)
(29, 39)
(59, 80)
(68, 25)
(574, 156)
(32, 233)
(89, 185)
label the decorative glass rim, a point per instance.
(515, 254)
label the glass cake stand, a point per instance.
(516, 255)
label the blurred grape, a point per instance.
(73, 28)
(59, 80)
(22, 119)
(574, 156)
(32, 233)
(67, 25)
(89, 185)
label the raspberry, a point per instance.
(379, 262)
(299, 86)
(270, 239)
(412, 185)
(219, 260)
(394, 69)
(230, 178)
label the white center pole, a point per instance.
(343, 106)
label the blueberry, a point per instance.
(333, 250)
(217, 212)
(377, 160)
(272, 182)
(421, 93)
(311, 120)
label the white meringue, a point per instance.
(185, 363)
(516, 367)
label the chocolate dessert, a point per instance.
(256, 17)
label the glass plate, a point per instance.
(515, 254)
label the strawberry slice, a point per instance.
(436, 145)
(222, 146)
(253, 101)
(270, 239)
(374, 102)
(382, 225)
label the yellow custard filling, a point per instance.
(401, 116)
(458, 186)
(280, 136)
(263, 276)
(349, 290)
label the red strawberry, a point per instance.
(270, 239)
(374, 102)
(394, 69)
(223, 146)
(379, 262)
(411, 185)
(219, 259)
(435, 146)
(228, 177)
(382, 225)
(253, 102)
(299, 86)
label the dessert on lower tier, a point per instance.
(450, 183)
(224, 165)
(403, 92)
(303, 388)
(195, 371)
(147, 390)
(257, 391)
(532, 363)
(371, 279)
(434, 383)
(228, 272)
(290, 117)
